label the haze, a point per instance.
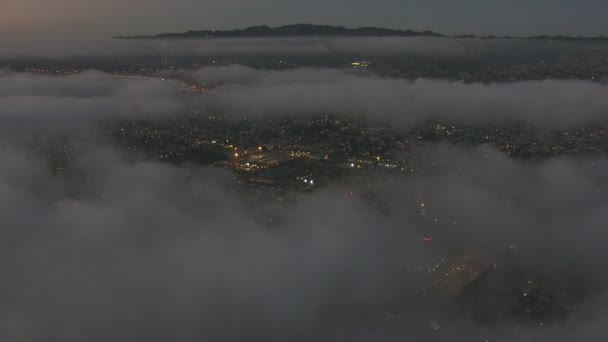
(274, 186)
(79, 19)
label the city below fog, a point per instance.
(304, 183)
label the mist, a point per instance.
(50, 104)
(264, 93)
(240, 91)
(308, 46)
(139, 250)
(118, 247)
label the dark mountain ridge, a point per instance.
(296, 30)
(311, 30)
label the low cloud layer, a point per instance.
(120, 250)
(39, 102)
(123, 250)
(241, 91)
(355, 46)
(92, 96)
(265, 93)
(144, 250)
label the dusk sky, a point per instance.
(68, 19)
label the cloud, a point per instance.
(260, 93)
(117, 249)
(37, 102)
(133, 250)
(367, 47)
(172, 247)
(30, 100)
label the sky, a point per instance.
(93, 19)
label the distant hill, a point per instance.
(539, 37)
(297, 30)
(310, 30)
(568, 38)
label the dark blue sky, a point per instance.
(102, 18)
